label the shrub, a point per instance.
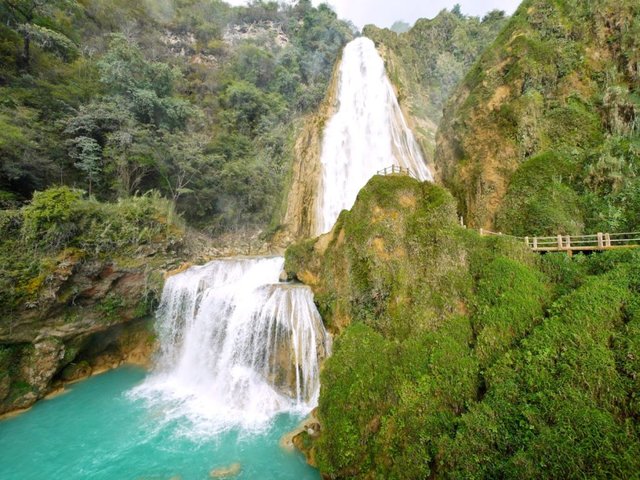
(51, 219)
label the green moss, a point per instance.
(470, 357)
(297, 255)
(541, 200)
(111, 306)
(510, 299)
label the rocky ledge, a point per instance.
(89, 315)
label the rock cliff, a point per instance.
(300, 213)
(93, 315)
(543, 126)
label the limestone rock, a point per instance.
(230, 471)
(41, 365)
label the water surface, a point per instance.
(97, 431)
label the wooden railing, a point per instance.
(577, 243)
(396, 170)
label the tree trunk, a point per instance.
(25, 60)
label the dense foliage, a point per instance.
(542, 136)
(436, 53)
(463, 356)
(193, 98)
(40, 242)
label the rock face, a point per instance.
(546, 86)
(299, 218)
(267, 32)
(93, 315)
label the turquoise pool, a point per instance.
(97, 431)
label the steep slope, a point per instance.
(198, 100)
(460, 356)
(300, 202)
(426, 63)
(542, 136)
(79, 283)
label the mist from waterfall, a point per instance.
(367, 133)
(236, 347)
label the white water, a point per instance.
(367, 133)
(236, 347)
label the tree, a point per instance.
(147, 88)
(184, 165)
(88, 155)
(130, 155)
(33, 20)
(400, 27)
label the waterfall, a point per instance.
(236, 347)
(367, 133)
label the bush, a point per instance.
(51, 220)
(540, 199)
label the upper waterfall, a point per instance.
(236, 347)
(367, 133)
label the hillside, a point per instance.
(426, 62)
(542, 136)
(460, 356)
(197, 100)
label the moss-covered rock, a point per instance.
(371, 266)
(78, 279)
(460, 356)
(539, 136)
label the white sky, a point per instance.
(384, 12)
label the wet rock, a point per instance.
(230, 471)
(76, 371)
(5, 386)
(283, 277)
(41, 365)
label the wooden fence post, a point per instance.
(535, 243)
(607, 239)
(526, 241)
(600, 243)
(482, 232)
(559, 242)
(567, 241)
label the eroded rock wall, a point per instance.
(93, 315)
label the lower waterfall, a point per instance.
(236, 346)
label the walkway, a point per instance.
(577, 243)
(396, 170)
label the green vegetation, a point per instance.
(460, 356)
(45, 239)
(195, 99)
(434, 55)
(542, 136)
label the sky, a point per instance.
(384, 13)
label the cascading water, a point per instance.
(367, 133)
(236, 347)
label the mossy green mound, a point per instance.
(464, 356)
